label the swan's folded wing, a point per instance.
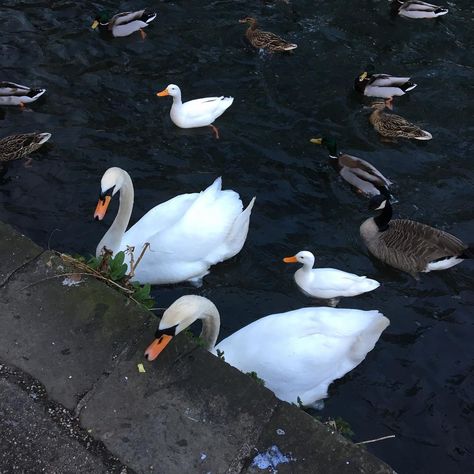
(303, 351)
(159, 219)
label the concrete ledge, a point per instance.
(189, 412)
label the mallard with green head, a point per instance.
(15, 147)
(16, 94)
(416, 10)
(382, 85)
(393, 126)
(265, 39)
(360, 174)
(124, 24)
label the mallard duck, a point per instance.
(408, 245)
(124, 24)
(359, 173)
(328, 283)
(264, 39)
(187, 234)
(16, 94)
(416, 9)
(394, 126)
(298, 354)
(15, 147)
(382, 85)
(197, 112)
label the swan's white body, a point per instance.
(328, 283)
(187, 234)
(16, 94)
(197, 112)
(298, 354)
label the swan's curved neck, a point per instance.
(211, 323)
(384, 217)
(113, 237)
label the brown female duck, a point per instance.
(393, 126)
(15, 147)
(265, 39)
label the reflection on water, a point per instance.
(102, 111)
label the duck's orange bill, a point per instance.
(155, 348)
(290, 259)
(101, 208)
(163, 93)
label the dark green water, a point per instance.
(102, 110)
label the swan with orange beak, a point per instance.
(198, 112)
(297, 354)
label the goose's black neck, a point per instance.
(383, 219)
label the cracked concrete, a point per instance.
(69, 356)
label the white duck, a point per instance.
(16, 94)
(416, 9)
(298, 354)
(197, 112)
(328, 283)
(187, 234)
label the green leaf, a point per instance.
(118, 269)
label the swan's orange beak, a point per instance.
(290, 259)
(101, 208)
(157, 346)
(163, 93)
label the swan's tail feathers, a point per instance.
(214, 189)
(369, 336)
(424, 135)
(239, 230)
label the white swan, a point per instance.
(328, 283)
(298, 354)
(187, 234)
(197, 112)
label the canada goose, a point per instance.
(408, 245)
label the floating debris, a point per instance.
(271, 459)
(141, 369)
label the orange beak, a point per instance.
(157, 346)
(290, 260)
(101, 208)
(163, 93)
